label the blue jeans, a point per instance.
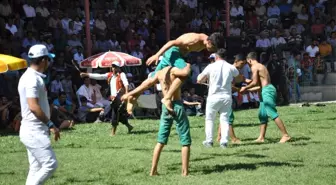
(310, 73)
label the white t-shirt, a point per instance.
(220, 75)
(12, 29)
(312, 50)
(31, 85)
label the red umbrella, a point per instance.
(105, 60)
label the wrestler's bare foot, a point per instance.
(168, 104)
(131, 101)
(153, 173)
(235, 141)
(259, 140)
(284, 139)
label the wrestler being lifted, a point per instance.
(173, 53)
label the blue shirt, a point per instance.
(57, 103)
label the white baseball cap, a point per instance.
(116, 63)
(39, 50)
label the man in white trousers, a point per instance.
(219, 75)
(36, 124)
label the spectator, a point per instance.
(298, 26)
(303, 17)
(273, 10)
(49, 45)
(313, 48)
(263, 43)
(143, 31)
(330, 28)
(100, 25)
(68, 87)
(252, 21)
(137, 53)
(142, 43)
(87, 114)
(293, 78)
(325, 50)
(317, 29)
(4, 111)
(114, 43)
(285, 8)
(78, 56)
(297, 7)
(29, 40)
(196, 22)
(73, 43)
(5, 9)
(235, 29)
(260, 9)
(64, 105)
(313, 5)
(124, 23)
(196, 68)
(295, 39)
(278, 42)
(332, 42)
(71, 29)
(245, 43)
(190, 106)
(42, 9)
(320, 68)
(59, 118)
(237, 11)
(54, 21)
(56, 86)
(78, 25)
(307, 66)
(29, 10)
(10, 26)
(318, 15)
(65, 21)
(86, 91)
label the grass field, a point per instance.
(88, 155)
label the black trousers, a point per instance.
(119, 113)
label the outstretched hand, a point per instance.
(83, 75)
(152, 59)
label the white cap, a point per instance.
(129, 75)
(116, 63)
(39, 50)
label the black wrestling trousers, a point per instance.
(119, 113)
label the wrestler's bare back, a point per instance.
(165, 78)
(261, 73)
(192, 42)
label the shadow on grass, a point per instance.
(326, 166)
(139, 132)
(253, 156)
(82, 181)
(141, 149)
(245, 166)
(247, 125)
(7, 173)
(305, 143)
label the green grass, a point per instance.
(88, 155)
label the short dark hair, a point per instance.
(252, 55)
(83, 99)
(38, 60)
(62, 94)
(239, 57)
(216, 40)
(221, 52)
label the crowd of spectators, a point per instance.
(295, 39)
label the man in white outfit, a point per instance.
(219, 76)
(35, 124)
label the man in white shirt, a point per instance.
(313, 49)
(236, 11)
(78, 56)
(263, 43)
(99, 97)
(118, 85)
(35, 111)
(219, 75)
(29, 10)
(87, 91)
(11, 27)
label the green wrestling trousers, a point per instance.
(172, 57)
(267, 107)
(182, 124)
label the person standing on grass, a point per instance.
(267, 108)
(118, 85)
(36, 123)
(239, 63)
(220, 75)
(166, 76)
